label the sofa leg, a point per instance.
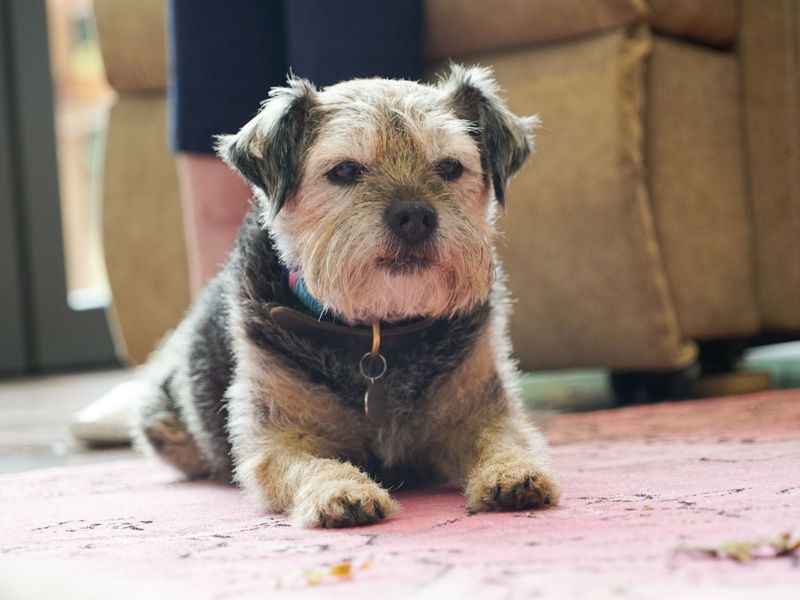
(721, 374)
(641, 387)
(720, 356)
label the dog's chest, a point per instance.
(404, 384)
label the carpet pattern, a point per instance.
(639, 484)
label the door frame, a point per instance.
(41, 331)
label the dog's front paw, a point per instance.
(341, 503)
(514, 485)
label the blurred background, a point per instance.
(652, 244)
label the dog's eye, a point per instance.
(345, 173)
(449, 169)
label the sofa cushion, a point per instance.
(580, 249)
(706, 21)
(770, 51)
(696, 162)
(459, 27)
(131, 34)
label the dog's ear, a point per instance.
(268, 151)
(505, 140)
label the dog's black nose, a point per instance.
(412, 221)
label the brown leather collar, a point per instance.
(394, 339)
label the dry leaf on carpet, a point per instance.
(746, 550)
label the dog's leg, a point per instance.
(487, 445)
(288, 440)
(481, 438)
(510, 469)
(289, 473)
(162, 429)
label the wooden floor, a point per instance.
(34, 420)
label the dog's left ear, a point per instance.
(505, 140)
(268, 151)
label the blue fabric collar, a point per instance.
(298, 286)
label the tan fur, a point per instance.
(315, 491)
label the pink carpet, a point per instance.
(640, 483)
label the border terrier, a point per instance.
(356, 339)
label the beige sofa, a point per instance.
(662, 208)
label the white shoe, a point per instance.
(108, 420)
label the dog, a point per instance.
(356, 339)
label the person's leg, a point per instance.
(224, 58)
(332, 41)
(215, 200)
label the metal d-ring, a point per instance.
(372, 377)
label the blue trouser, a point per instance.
(226, 55)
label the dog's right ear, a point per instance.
(269, 150)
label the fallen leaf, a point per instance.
(738, 550)
(343, 570)
(746, 550)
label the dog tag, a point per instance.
(375, 403)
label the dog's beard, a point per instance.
(361, 279)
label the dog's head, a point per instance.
(380, 193)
